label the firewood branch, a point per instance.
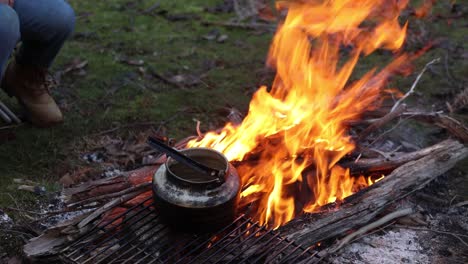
(389, 163)
(455, 127)
(382, 221)
(382, 121)
(362, 208)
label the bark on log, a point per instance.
(364, 166)
(361, 209)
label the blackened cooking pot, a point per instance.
(192, 201)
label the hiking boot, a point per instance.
(31, 87)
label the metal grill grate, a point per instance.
(138, 236)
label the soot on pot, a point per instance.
(192, 201)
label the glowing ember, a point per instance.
(295, 134)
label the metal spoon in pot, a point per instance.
(193, 164)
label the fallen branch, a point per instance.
(143, 187)
(455, 127)
(460, 204)
(358, 210)
(411, 90)
(367, 228)
(363, 230)
(96, 188)
(108, 206)
(382, 121)
(363, 166)
(455, 235)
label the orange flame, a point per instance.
(296, 133)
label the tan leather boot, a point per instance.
(30, 86)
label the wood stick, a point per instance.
(382, 121)
(108, 206)
(460, 204)
(360, 209)
(455, 127)
(363, 230)
(143, 187)
(367, 228)
(389, 163)
(411, 91)
(457, 236)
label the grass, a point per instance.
(112, 93)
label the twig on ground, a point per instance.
(387, 131)
(453, 199)
(456, 235)
(382, 121)
(411, 91)
(324, 253)
(378, 229)
(365, 229)
(455, 127)
(153, 7)
(460, 204)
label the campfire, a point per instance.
(300, 151)
(298, 129)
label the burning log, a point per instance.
(360, 209)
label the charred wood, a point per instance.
(359, 210)
(363, 166)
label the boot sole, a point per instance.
(27, 112)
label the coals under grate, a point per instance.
(138, 236)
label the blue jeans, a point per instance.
(42, 26)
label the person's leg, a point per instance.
(9, 34)
(45, 25)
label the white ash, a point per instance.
(112, 172)
(5, 220)
(57, 205)
(61, 218)
(394, 246)
(95, 157)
